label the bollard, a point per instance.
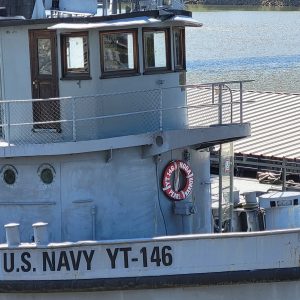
(250, 198)
(12, 234)
(40, 233)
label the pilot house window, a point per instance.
(75, 58)
(179, 49)
(119, 55)
(156, 52)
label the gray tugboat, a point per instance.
(105, 187)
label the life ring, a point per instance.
(171, 189)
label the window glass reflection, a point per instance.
(44, 56)
(75, 55)
(179, 49)
(155, 49)
(118, 51)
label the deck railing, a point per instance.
(71, 119)
(113, 7)
(141, 5)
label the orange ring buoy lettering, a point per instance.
(169, 188)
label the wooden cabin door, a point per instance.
(44, 79)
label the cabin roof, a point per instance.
(158, 14)
(145, 20)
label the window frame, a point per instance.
(120, 73)
(182, 66)
(70, 74)
(167, 68)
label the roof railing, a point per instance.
(119, 6)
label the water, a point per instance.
(263, 45)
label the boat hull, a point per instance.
(249, 291)
(193, 266)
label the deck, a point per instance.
(111, 120)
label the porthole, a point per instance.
(9, 174)
(46, 173)
(47, 176)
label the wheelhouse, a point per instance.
(61, 58)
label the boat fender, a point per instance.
(171, 180)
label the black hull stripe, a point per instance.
(150, 282)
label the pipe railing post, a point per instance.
(220, 209)
(8, 122)
(161, 110)
(94, 212)
(283, 174)
(231, 184)
(74, 120)
(231, 105)
(220, 104)
(241, 102)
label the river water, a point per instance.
(263, 45)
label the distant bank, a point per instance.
(247, 2)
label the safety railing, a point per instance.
(118, 6)
(224, 102)
(110, 115)
(113, 7)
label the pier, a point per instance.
(274, 141)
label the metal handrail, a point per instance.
(156, 94)
(186, 86)
(221, 85)
(218, 83)
(119, 115)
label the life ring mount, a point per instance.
(171, 180)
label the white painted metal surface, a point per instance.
(186, 21)
(144, 21)
(122, 22)
(282, 209)
(177, 255)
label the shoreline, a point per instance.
(260, 3)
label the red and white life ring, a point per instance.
(171, 188)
